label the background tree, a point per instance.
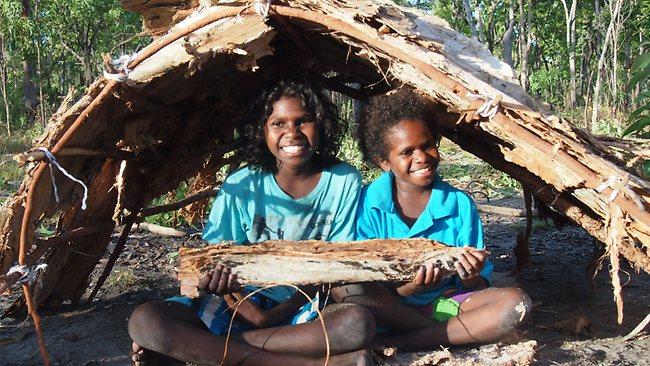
(614, 8)
(570, 17)
(50, 46)
(554, 46)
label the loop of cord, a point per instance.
(486, 110)
(52, 160)
(618, 185)
(121, 64)
(27, 275)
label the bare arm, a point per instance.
(254, 315)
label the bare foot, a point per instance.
(357, 358)
(144, 357)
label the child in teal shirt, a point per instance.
(292, 188)
(410, 200)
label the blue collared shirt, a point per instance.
(450, 217)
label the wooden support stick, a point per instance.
(206, 193)
(315, 262)
(119, 247)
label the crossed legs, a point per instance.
(173, 330)
(485, 316)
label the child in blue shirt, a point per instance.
(292, 188)
(410, 200)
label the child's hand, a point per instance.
(470, 263)
(427, 276)
(246, 309)
(219, 281)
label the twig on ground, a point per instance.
(320, 317)
(500, 210)
(161, 230)
(638, 329)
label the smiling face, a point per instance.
(291, 134)
(412, 154)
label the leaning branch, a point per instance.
(203, 194)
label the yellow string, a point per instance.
(320, 316)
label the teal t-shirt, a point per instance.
(250, 207)
(450, 217)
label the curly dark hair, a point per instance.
(382, 113)
(253, 142)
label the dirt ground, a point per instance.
(96, 334)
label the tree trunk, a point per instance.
(39, 70)
(618, 27)
(469, 16)
(570, 17)
(524, 41)
(315, 262)
(507, 36)
(3, 83)
(601, 63)
(587, 52)
(480, 26)
(29, 88)
(637, 88)
(87, 70)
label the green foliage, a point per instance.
(639, 119)
(10, 173)
(420, 4)
(171, 218)
(9, 177)
(544, 84)
(64, 41)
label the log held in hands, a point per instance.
(314, 262)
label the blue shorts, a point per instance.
(216, 315)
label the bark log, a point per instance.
(314, 262)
